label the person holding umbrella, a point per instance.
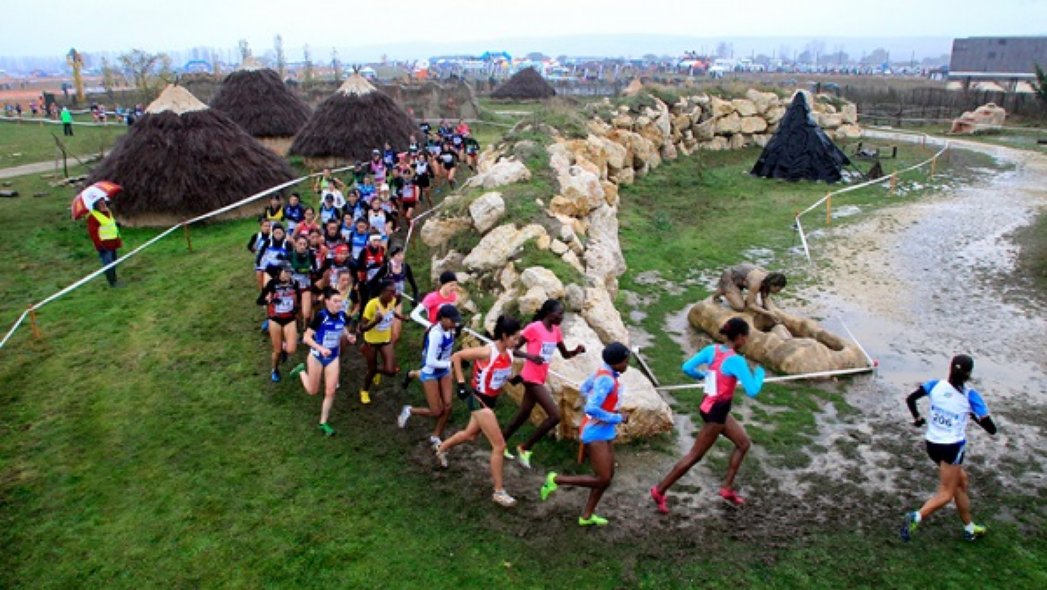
(101, 224)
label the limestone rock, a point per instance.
(543, 278)
(557, 247)
(719, 107)
(761, 139)
(762, 100)
(986, 116)
(610, 192)
(508, 276)
(705, 130)
(624, 176)
(753, 125)
(599, 312)
(744, 107)
(581, 191)
(729, 125)
(436, 232)
(830, 120)
(604, 262)
(487, 210)
(737, 141)
(571, 258)
(531, 301)
(848, 131)
(849, 112)
(451, 261)
(506, 171)
(574, 298)
(774, 114)
(716, 144)
(497, 309)
(499, 243)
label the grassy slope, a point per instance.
(141, 445)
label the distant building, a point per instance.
(1003, 59)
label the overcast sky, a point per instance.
(52, 27)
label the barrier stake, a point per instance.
(894, 183)
(33, 325)
(828, 209)
(934, 164)
(188, 241)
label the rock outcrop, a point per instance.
(986, 116)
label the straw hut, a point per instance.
(350, 123)
(527, 83)
(182, 159)
(257, 100)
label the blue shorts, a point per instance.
(436, 375)
(325, 360)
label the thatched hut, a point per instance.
(350, 123)
(527, 83)
(257, 100)
(182, 159)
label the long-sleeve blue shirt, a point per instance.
(734, 366)
(601, 423)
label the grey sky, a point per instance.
(118, 25)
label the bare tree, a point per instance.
(147, 71)
(281, 59)
(245, 50)
(216, 64)
(1040, 84)
(307, 69)
(110, 77)
(336, 66)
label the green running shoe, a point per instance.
(326, 429)
(549, 486)
(297, 369)
(979, 531)
(910, 526)
(593, 520)
(525, 457)
(507, 454)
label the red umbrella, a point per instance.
(85, 200)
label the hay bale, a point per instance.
(527, 83)
(182, 159)
(351, 122)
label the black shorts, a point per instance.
(716, 414)
(282, 321)
(479, 401)
(422, 181)
(447, 166)
(950, 454)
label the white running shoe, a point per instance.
(405, 413)
(502, 498)
(441, 456)
(435, 441)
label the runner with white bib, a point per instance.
(725, 370)
(492, 368)
(324, 336)
(952, 402)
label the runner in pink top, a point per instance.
(447, 294)
(542, 338)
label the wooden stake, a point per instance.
(828, 209)
(188, 241)
(894, 183)
(934, 165)
(33, 325)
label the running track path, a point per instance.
(37, 168)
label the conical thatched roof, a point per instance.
(354, 120)
(800, 150)
(527, 83)
(257, 100)
(182, 159)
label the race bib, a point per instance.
(270, 257)
(332, 339)
(385, 322)
(710, 383)
(284, 305)
(548, 348)
(499, 377)
(301, 279)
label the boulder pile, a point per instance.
(984, 117)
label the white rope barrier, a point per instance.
(38, 120)
(780, 378)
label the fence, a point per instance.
(891, 182)
(888, 102)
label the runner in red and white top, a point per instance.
(492, 368)
(542, 338)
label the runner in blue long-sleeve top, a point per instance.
(725, 370)
(598, 430)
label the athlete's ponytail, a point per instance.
(505, 326)
(550, 306)
(734, 328)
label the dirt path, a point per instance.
(39, 167)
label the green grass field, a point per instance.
(141, 444)
(32, 141)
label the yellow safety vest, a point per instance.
(106, 226)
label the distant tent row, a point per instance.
(525, 84)
(183, 158)
(800, 150)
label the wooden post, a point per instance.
(188, 241)
(33, 325)
(934, 164)
(828, 209)
(894, 183)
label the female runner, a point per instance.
(725, 369)
(602, 393)
(436, 373)
(492, 366)
(281, 297)
(377, 326)
(324, 336)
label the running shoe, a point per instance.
(265, 326)
(405, 413)
(297, 369)
(377, 379)
(365, 398)
(502, 498)
(731, 497)
(507, 454)
(910, 526)
(441, 456)
(549, 486)
(326, 429)
(407, 379)
(274, 376)
(525, 457)
(979, 531)
(593, 520)
(283, 356)
(659, 499)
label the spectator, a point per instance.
(101, 227)
(67, 122)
